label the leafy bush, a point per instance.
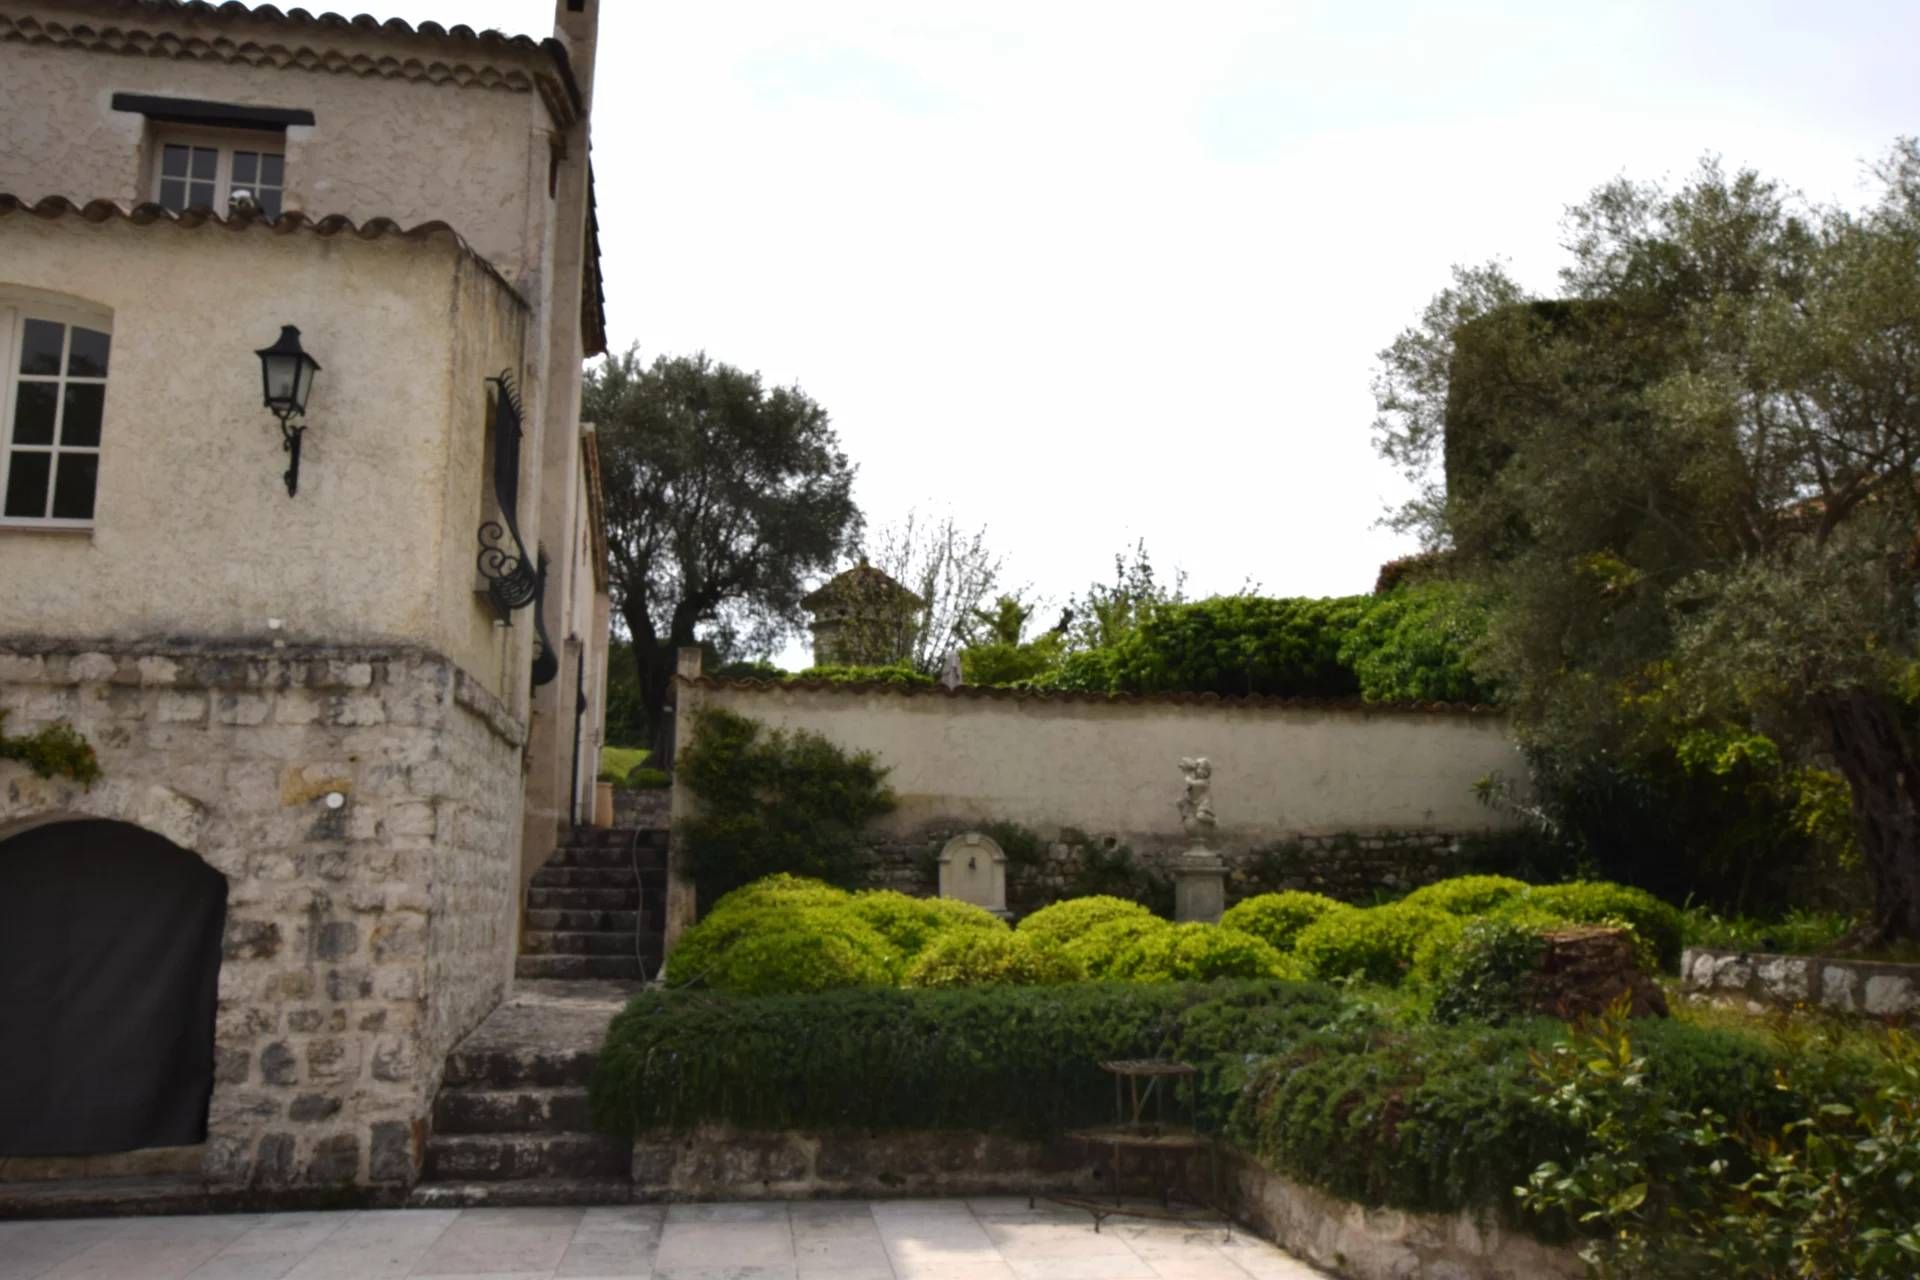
(1008, 1059)
(1200, 953)
(1597, 902)
(781, 952)
(1417, 645)
(980, 958)
(897, 673)
(1100, 947)
(1278, 918)
(1479, 973)
(647, 778)
(1002, 663)
(772, 801)
(1681, 1186)
(1242, 645)
(1376, 944)
(1443, 1119)
(1797, 932)
(1064, 921)
(1467, 895)
(909, 924)
(782, 890)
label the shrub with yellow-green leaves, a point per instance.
(984, 958)
(1278, 918)
(1200, 953)
(1376, 944)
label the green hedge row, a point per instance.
(1021, 1060)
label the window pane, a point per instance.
(80, 424)
(246, 165)
(200, 195)
(33, 412)
(88, 356)
(269, 198)
(40, 347)
(273, 170)
(73, 486)
(173, 161)
(27, 484)
(205, 161)
(173, 194)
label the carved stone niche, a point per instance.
(974, 869)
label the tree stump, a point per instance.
(1584, 969)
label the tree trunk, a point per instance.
(1873, 751)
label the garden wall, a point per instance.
(1363, 784)
(1875, 988)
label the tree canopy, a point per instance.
(1690, 483)
(723, 499)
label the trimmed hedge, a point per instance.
(981, 958)
(1100, 948)
(1278, 918)
(1021, 1060)
(1376, 944)
(1467, 895)
(1200, 953)
(1064, 921)
(910, 923)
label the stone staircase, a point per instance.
(510, 1123)
(586, 905)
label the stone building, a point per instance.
(342, 670)
(862, 618)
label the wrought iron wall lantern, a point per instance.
(286, 377)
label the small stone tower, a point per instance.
(863, 618)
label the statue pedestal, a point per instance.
(1199, 887)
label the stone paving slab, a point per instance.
(982, 1239)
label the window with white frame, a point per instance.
(205, 172)
(53, 373)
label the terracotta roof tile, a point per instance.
(996, 694)
(53, 208)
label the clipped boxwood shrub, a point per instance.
(1467, 895)
(909, 924)
(1278, 918)
(1659, 925)
(1004, 1059)
(782, 890)
(1098, 948)
(1479, 973)
(1064, 921)
(1200, 953)
(781, 952)
(984, 958)
(1376, 944)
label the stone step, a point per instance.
(563, 1192)
(645, 859)
(616, 838)
(552, 877)
(503, 1157)
(627, 899)
(542, 942)
(512, 1111)
(595, 921)
(507, 1067)
(617, 967)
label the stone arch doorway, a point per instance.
(110, 942)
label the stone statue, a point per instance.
(950, 670)
(1196, 806)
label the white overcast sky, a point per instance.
(1092, 272)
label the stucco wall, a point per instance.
(413, 150)
(194, 534)
(1112, 766)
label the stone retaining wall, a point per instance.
(363, 804)
(1761, 979)
(715, 1162)
(1057, 864)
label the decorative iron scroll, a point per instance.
(512, 579)
(546, 664)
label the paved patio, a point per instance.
(999, 1239)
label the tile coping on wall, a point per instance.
(1876, 988)
(1003, 694)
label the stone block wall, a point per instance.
(363, 804)
(1759, 979)
(1044, 867)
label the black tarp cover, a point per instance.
(109, 960)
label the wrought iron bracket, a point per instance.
(290, 436)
